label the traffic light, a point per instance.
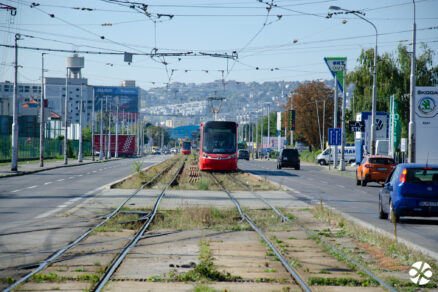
(292, 120)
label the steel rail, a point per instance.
(332, 247)
(277, 253)
(61, 251)
(139, 236)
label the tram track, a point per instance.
(112, 268)
(312, 234)
(54, 257)
(245, 217)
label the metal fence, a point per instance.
(29, 148)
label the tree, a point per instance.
(306, 99)
(393, 77)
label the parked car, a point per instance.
(288, 158)
(156, 151)
(410, 190)
(243, 154)
(374, 168)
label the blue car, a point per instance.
(410, 190)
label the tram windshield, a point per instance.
(219, 139)
(186, 145)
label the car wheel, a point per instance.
(322, 162)
(393, 217)
(382, 214)
(279, 166)
(297, 167)
(357, 180)
(363, 181)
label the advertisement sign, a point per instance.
(356, 126)
(127, 99)
(394, 127)
(382, 131)
(336, 66)
(426, 124)
(278, 121)
(273, 142)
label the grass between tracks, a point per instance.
(374, 250)
(193, 179)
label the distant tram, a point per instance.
(218, 146)
(186, 148)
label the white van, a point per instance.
(327, 155)
(382, 147)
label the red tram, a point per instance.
(218, 146)
(186, 148)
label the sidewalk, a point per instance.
(34, 166)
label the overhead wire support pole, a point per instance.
(14, 156)
(92, 127)
(411, 128)
(42, 112)
(65, 119)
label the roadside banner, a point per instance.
(394, 127)
(337, 65)
(426, 124)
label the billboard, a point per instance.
(426, 124)
(127, 98)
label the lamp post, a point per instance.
(373, 102)
(411, 142)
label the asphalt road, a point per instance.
(342, 193)
(29, 204)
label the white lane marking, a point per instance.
(94, 171)
(80, 175)
(72, 177)
(76, 199)
(100, 169)
(88, 172)
(61, 206)
(48, 213)
(48, 183)
(32, 187)
(341, 186)
(323, 181)
(15, 191)
(60, 179)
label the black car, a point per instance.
(243, 154)
(288, 158)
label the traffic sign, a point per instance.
(357, 126)
(334, 136)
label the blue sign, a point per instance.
(334, 136)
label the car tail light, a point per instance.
(403, 176)
(368, 165)
(427, 168)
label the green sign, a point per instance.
(337, 65)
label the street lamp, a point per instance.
(373, 102)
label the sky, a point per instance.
(275, 40)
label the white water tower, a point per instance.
(75, 64)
